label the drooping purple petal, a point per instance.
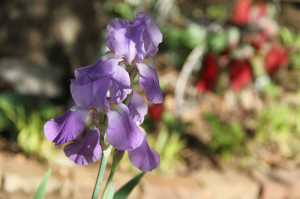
(85, 151)
(148, 80)
(138, 108)
(144, 157)
(67, 127)
(122, 132)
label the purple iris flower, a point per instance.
(136, 42)
(101, 89)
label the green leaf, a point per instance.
(193, 36)
(218, 41)
(124, 191)
(287, 35)
(40, 193)
(216, 12)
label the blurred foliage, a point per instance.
(226, 138)
(25, 124)
(168, 145)
(217, 42)
(122, 9)
(292, 39)
(179, 41)
(216, 12)
(280, 125)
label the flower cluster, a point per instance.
(251, 50)
(103, 93)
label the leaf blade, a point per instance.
(40, 193)
(124, 191)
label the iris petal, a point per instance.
(144, 157)
(120, 85)
(138, 108)
(152, 35)
(67, 127)
(92, 83)
(122, 133)
(148, 80)
(133, 40)
(90, 92)
(85, 151)
(83, 71)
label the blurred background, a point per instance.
(229, 71)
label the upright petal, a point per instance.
(144, 157)
(120, 85)
(148, 80)
(85, 151)
(84, 71)
(152, 36)
(67, 127)
(120, 39)
(117, 24)
(122, 132)
(97, 85)
(90, 91)
(133, 40)
(138, 108)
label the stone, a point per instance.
(32, 78)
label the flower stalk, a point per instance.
(102, 168)
(118, 155)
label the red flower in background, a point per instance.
(209, 75)
(257, 40)
(240, 74)
(156, 111)
(241, 12)
(224, 58)
(276, 58)
(258, 11)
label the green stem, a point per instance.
(104, 160)
(116, 159)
